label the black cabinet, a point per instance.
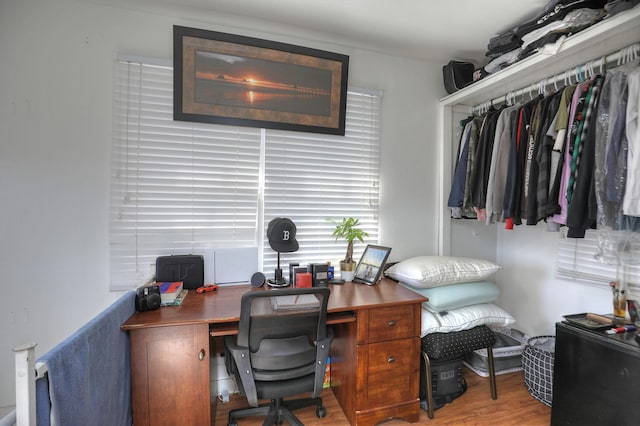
(596, 378)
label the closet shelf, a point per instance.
(592, 43)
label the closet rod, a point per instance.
(581, 73)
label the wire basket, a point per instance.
(537, 362)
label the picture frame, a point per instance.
(236, 80)
(371, 264)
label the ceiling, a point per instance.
(427, 29)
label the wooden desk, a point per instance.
(375, 354)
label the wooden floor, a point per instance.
(514, 406)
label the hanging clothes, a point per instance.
(481, 166)
(611, 161)
(532, 170)
(456, 195)
(571, 158)
(460, 194)
(500, 165)
(572, 129)
(513, 196)
(582, 205)
(631, 203)
(544, 156)
(618, 232)
(557, 155)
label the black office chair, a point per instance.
(281, 351)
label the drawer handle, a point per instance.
(391, 323)
(201, 355)
(391, 359)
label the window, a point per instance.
(312, 178)
(179, 187)
(577, 260)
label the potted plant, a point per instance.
(349, 230)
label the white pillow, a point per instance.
(434, 271)
(464, 318)
(455, 296)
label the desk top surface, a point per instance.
(626, 340)
(223, 306)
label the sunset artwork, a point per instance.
(229, 79)
(244, 82)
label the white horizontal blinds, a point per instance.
(314, 177)
(176, 186)
(577, 261)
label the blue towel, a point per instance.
(89, 373)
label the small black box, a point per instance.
(319, 274)
(188, 268)
(292, 274)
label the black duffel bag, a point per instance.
(457, 75)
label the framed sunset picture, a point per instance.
(230, 79)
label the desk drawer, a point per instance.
(392, 372)
(394, 322)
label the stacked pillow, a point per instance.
(460, 297)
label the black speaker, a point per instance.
(258, 279)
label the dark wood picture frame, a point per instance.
(230, 79)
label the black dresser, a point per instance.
(596, 377)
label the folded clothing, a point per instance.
(502, 42)
(575, 19)
(509, 43)
(556, 10)
(503, 61)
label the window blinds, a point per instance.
(577, 261)
(315, 179)
(179, 187)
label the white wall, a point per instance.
(529, 289)
(56, 78)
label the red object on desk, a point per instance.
(207, 288)
(303, 280)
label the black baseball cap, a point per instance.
(282, 235)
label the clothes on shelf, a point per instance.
(558, 20)
(570, 158)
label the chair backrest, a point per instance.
(283, 334)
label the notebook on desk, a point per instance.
(293, 302)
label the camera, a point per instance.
(148, 298)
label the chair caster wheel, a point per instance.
(321, 412)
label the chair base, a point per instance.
(278, 411)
